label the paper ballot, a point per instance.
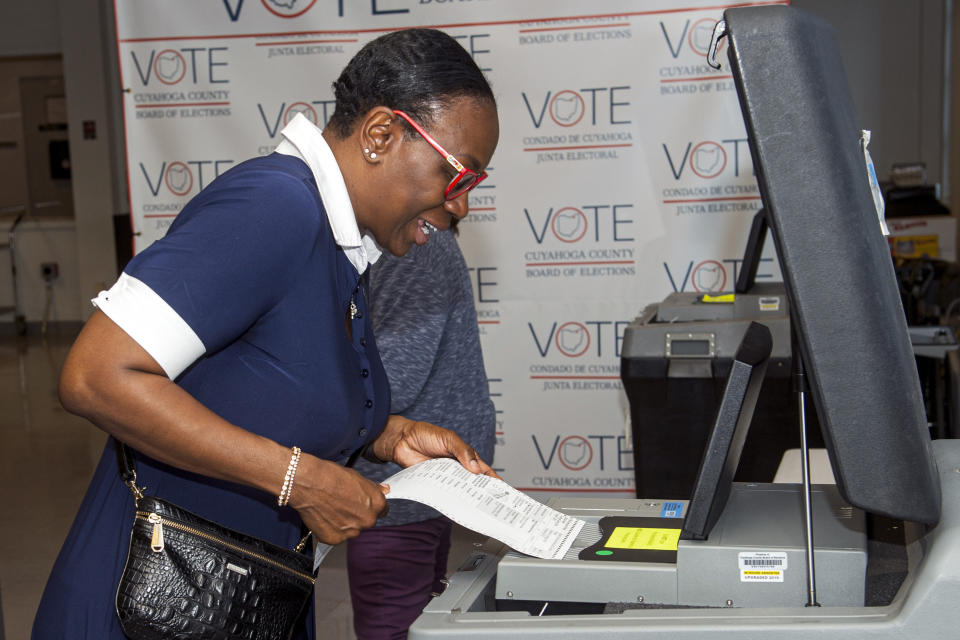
(488, 506)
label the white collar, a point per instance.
(303, 139)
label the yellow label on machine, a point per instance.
(724, 298)
(644, 538)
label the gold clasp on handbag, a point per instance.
(303, 542)
(134, 489)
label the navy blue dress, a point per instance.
(252, 267)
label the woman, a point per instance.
(244, 332)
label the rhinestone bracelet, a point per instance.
(287, 488)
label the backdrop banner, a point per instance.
(622, 174)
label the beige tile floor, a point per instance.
(46, 459)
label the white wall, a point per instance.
(38, 243)
(85, 35)
(29, 27)
(893, 57)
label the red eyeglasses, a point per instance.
(465, 180)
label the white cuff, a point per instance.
(152, 323)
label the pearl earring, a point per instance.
(366, 152)
(373, 156)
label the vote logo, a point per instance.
(288, 8)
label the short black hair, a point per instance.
(413, 70)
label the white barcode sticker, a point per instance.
(771, 303)
(762, 566)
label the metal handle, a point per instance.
(719, 31)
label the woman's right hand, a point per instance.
(335, 503)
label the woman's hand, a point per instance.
(407, 442)
(334, 502)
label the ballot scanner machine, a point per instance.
(675, 358)
(875, 556)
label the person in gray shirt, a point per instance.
(425, 324)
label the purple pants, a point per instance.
(393, 571)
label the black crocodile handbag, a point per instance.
(188, 577)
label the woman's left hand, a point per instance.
(407, 442)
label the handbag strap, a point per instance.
(126, 465)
